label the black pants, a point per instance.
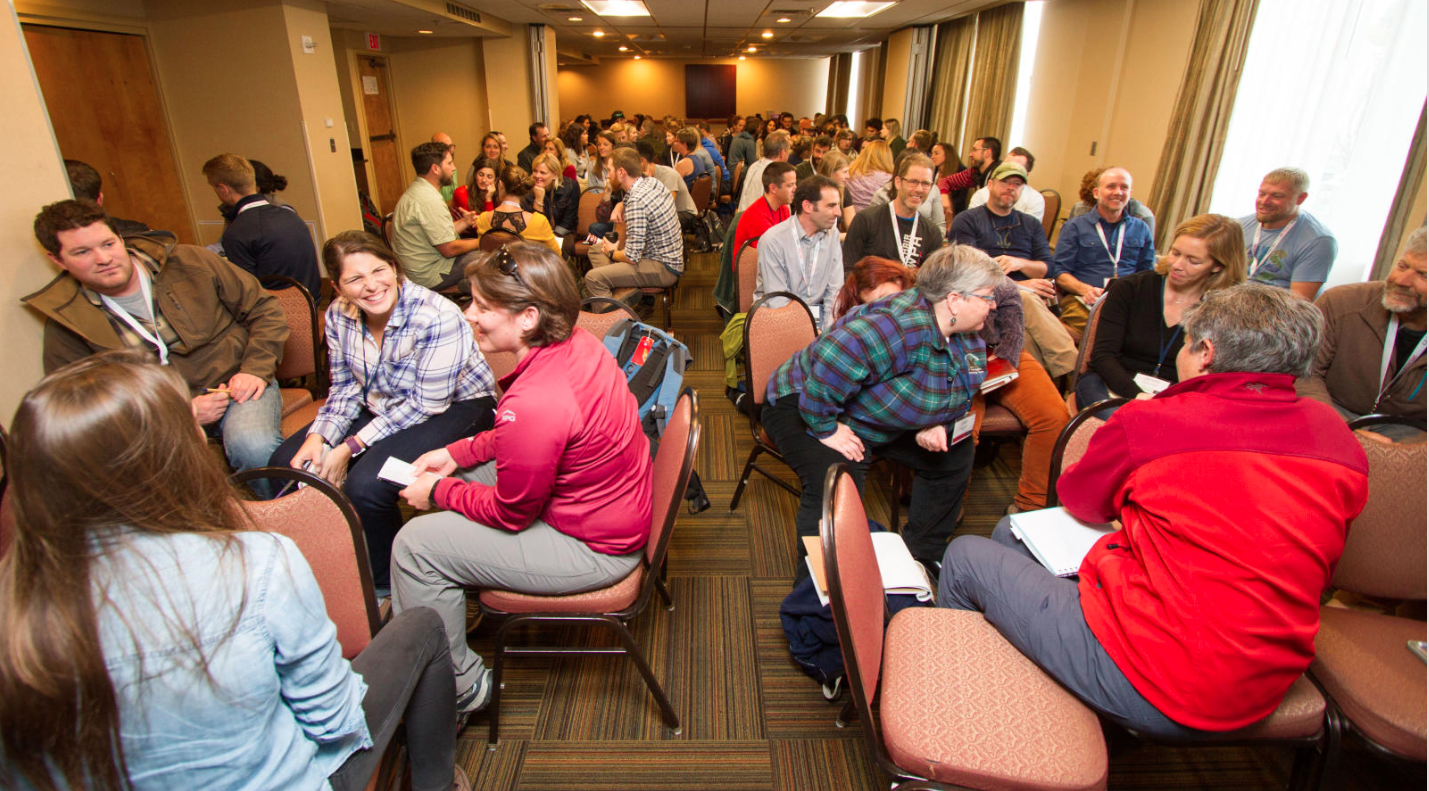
(408, 671)
(939, 480)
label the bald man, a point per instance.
(446, 140)
(1098, 246)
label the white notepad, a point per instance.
(397, 471)
(1057, 539)
(900, 572)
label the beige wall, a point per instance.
(895, 75)
(33, 175)
(508, 90)
(656, 86)
(1106, 71)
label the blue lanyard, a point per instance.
(1166, 347)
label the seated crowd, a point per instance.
(923, 273)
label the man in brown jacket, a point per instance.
(1371, 359)
(186, 306)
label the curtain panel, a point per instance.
(1400, 222)
(994, 74)
(952, 64)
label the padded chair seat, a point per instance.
(293, 422)
(1362, 662)
(294, 398)
(1300, 715)
(1000, 420)
(581, 248)
(612, 599)
(1008, 725)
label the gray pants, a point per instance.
(436, 557)
(605, 275)
(1041, 615)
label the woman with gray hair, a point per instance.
(1234, 497)
(894, 379)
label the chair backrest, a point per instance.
(746, 266)
(855, 589)
(387, 228)
(718, 177)
(1053, 204)
(735, 183)
(700, 192)
(1089, 338)
(495, 239)
(773, 335)
(1385, 551)
(674, 463)
(585, 210)
(322, 522)
(598, 324)
(1073, 441)
(301, 351)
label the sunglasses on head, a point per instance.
(508, 266)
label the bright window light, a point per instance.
(617, 7)
(1335, 88)
(854, 65)
(852, 9)
(1031, 28)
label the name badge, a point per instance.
(962, 428)
(1150, 384)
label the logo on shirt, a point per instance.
(507, 416)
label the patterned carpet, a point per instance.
(750, 718)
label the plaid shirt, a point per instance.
(652, 229)
(427, 361)
(884, 370)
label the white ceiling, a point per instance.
(675, 28)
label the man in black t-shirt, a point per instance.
(896, 230)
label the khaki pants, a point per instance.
(1045, 337)
(605, 276)
(1074, 312)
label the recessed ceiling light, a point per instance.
(425, 32)
(617, 7)
(637, 57)
(767, 34)
(574, 19)
(741, 57)
(751, 49)
(622, 49)
(853, 9)
(598, 33)
(783, 20)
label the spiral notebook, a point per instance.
(1057, 539)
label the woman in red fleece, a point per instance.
(555, 499)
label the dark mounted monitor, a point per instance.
(709, 91)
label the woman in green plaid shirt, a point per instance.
(892, 380)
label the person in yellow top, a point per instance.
(512, 185)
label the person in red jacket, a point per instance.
(1234, 497)
(557, 497)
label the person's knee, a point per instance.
(1002, 534)
(960, 555)
(368, 491)
(249, 448)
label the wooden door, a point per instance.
(104, 108)
(381, 131)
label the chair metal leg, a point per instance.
(667, 712)
(744, 476)
(493, 708)
(664, 594)
(848, 714)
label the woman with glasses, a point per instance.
(154, 639)
(406, 375)
(556, 499)
(894, 379)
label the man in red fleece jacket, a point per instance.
(1234, 497)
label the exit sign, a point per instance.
(374, 41)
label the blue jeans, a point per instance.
(251, 431)
(375, 499)
(1092, 389)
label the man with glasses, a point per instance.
(898, 230)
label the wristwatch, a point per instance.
(355, 446)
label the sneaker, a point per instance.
(833, 690)
(934, 568)
(474, 699)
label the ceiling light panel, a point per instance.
(853, 9)
(617, 7)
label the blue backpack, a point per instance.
(654, 364)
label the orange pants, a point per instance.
(1035, 401)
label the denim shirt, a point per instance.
(278, 707)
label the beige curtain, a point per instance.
(1195, 139)
(951, 65)
(1400, 221)
(840, 67)
(994, 74)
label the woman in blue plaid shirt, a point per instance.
(894, 379)
(406, 377)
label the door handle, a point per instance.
(388, 136)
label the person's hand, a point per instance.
(1011, 263)
(246, 387)
(208, 408)
(334, 465)
(310, 455)
(1375, 435)
(1092, 294)
(617, 214)
(539, 193)
(439, 461)
(464, 219)
(934, 439)
(608, 247)
(1144, 396)
(419, 493)
(1040, 286)
(846, 442)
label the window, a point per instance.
(851, 111)
(1333, 87)
(1031, 28)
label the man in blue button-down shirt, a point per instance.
(1100, 245)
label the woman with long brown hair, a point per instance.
(152, 640)
(513, 185)
(869, 173)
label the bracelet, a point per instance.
(355, 446)
(432, 495)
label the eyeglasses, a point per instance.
(918, 183)
(990, 300)
(508, 266)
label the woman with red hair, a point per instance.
(872, 279)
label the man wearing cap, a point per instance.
(1287, 247)
(1098, 246)
(1031, 201)
(1014, 239)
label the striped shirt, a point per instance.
(652, 229)
(428, 360)
(884, 370)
